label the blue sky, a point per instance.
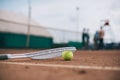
(62, 14)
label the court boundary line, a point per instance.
(66, 66)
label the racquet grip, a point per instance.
(3, 57)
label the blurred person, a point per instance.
(101, 38)
(85, 38)
(96, 40)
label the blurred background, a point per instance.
(57, 23)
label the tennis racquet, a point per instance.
(43, 54)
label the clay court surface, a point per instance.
(86, 65)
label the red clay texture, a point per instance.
(101, 58)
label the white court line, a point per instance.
(67, 66)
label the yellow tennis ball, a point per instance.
(67, 55)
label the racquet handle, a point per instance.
(3, 57)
